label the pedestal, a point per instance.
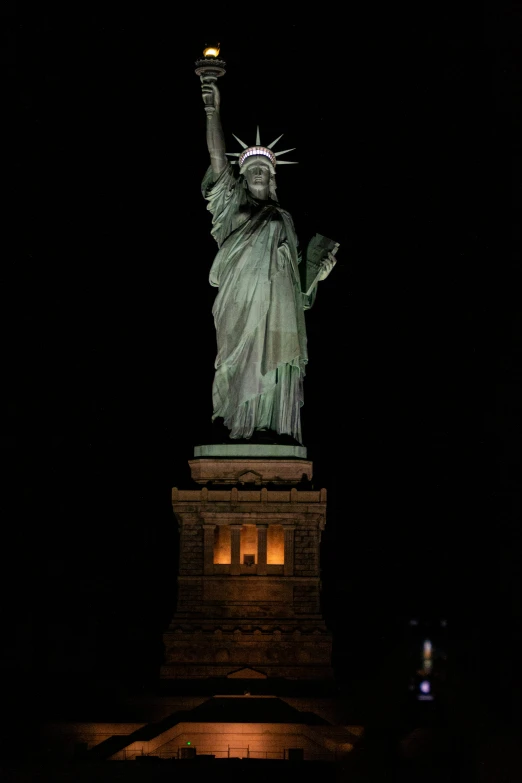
(246, 463)
(249, 580)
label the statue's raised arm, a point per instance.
(215, 137)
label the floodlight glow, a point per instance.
(425, 686)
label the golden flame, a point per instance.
(211, 51)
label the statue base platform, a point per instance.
(249, 463)
(257, 450)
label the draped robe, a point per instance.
(258, 311)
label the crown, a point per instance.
(258, 149)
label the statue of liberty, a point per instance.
(259, 309)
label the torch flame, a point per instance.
(211, 51)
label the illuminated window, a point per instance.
(275, 545)
(222, 545)
(248, 545)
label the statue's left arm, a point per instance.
(328, 264)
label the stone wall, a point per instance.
(306, 551)
(191, 546)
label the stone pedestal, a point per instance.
(249, 580)
(250, 464)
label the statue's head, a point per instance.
(259, 176)
(257, 165)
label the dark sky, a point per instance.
(411, 398)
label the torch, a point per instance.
(209, 68)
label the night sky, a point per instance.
(411, 396)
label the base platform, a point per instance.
(222, 470)
(257, 450)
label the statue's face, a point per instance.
(257, 176)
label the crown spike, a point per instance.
(287, 162)
(245, 146)
(258, 137)
(233, 154)
(275, 142)
(283, 152)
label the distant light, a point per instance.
(211, 51)
(425, 686)
(427, 649)
(414, 622)
(443, 623)
(189, 743)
